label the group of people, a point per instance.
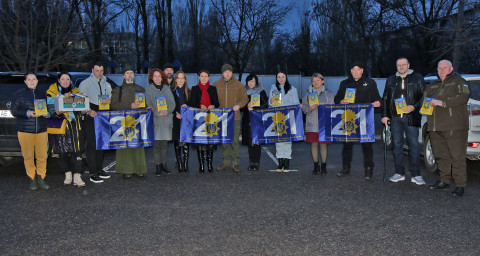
(448, 125)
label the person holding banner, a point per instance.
(181, 94)
(159, 97)
(448, 127)
(361, 90)
(31, 126)
(401, 102)
(95, 87)
(130, 161)
(283, 94)
(204, 96)
(316, 95)
(257, 99)
(70, 144)
(231, 94)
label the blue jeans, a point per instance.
(398, 127)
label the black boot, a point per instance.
(178, 156)
(323, 171)
(316, 168)
(368, 172)
(286, 165)
(345, 171)
(185, 157)
(201, 160)
(209, 160)
(280, 165)
(158, 172)
(164, 169)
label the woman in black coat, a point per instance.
(204, 96)
(181, 94)
(254, 150)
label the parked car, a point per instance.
(10, 82)
(473, 142)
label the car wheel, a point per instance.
(428, 157)
(387, 137)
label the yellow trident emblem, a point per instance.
(348, 119)
(279, 123)
(128, 124)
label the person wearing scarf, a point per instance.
(311, 124)
(130, 161)
(204, 97)
(163, 119)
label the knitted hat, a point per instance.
(226, 67)
(357, 64)
(127, 68)
(167, 65)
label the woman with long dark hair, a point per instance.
(285, 95)
(181, 94)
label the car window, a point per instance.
(474, 89)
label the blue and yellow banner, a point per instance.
(214, 126)
(273, 125)
(346, 123)
(124, 129)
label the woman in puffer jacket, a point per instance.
(311, 124)
(32, 132)
(70, 144)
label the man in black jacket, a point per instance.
(405, 119)
(366, 92)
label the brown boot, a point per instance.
(223, 167)
(236, 168)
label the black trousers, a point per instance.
(254, 153)
(347, 153)
(71, 162)
(94, 156)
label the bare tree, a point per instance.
(36, 35)
(241, 22)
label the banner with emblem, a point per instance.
(273, 125)
(346, 123)
(124, 129)
(214, 126)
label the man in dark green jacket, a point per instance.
(448, 127)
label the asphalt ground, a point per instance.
(251, 213)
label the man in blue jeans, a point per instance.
(404, 118)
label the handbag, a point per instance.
(56, 125)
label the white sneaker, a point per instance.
(397, 177)
(68, 178)
(418, 180)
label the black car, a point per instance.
(10, 82)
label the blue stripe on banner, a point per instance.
(214, 126)
(346, 123)
(273, 125)
(124, 129)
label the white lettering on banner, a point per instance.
(118, 134)
(362, 114)
(269, 132)
(201, 131)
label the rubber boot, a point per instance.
(158, 172)
(77, 180)
(323, 171)
(33, 184)
(68, 178)
(210, 160)
(286, 165)
(316, 169)
(41, 183)
(178, 156)
(201, 160)
(185, 157)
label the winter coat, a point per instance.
(231, 93)
(163, 124)
(453, 114)
(74, 138)
(90, 87)
(197, 96)
(123, 96)
(366, 90)
(325, 97)
(414, 86)
(246, 130)
(291, 98)
(176, 121)
(23, 102)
